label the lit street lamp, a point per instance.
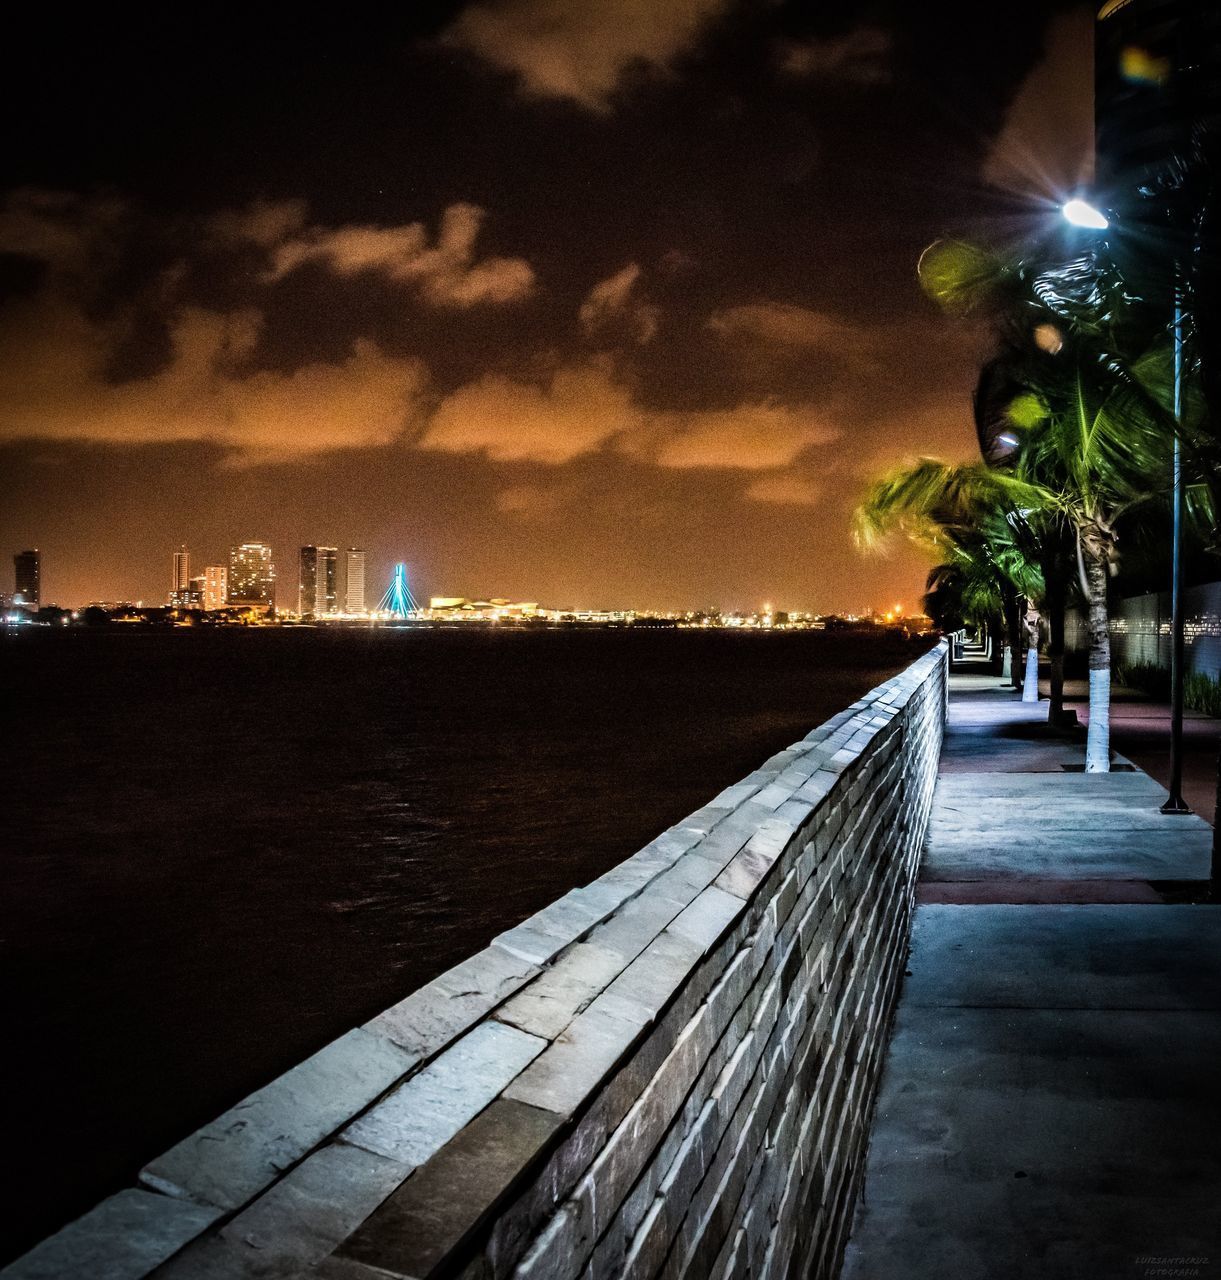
(1082, 214)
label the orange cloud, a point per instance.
(612, 307)
(784, 489)
(445, 272)
(263, 223)
(785, 325)
(574, 412)
(751, 436)
(53, 384)
(55, 376)
(558, 49)
(582, 408)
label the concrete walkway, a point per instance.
(1049, 1106)
(1140, 729)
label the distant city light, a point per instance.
(1082, 214)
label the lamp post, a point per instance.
(1082, 214)
(1175, 802)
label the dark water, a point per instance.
(226, 847)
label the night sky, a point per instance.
(591, 302)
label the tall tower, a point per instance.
(182, 570)
(27, 573)
(252, 576)
(327, 598)
(307, 581)
(216, 587)
(354, 581)
(316, 591)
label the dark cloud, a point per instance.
(614, 307)
(56, 378)
(1046, 147)
(446, 272)
(580, 52)
(861, 56)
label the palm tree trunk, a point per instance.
(1030, 686)
(1013, 624)
(996, 629)
(1098, 739)
(1057, 604)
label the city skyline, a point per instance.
(534, 321)
(208, 591)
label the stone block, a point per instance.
(734, 795)
(546, 933)
(231, 1160)
(549, 1003)
(295, 1224)
(563, 1077)
(425, 1112)
(705, 921)
(773, 795)
(689, 876)
(648, 984)
(746, 870)
(430, 1018)
(636, 924)
(336, 1268)
(429, 1222)
(123, 1238)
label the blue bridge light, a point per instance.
(398, 599)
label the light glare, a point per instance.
(1081, 214)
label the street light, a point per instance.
(1175, 803)
(1082, 214)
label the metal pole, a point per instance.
(1175, 803)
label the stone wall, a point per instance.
(669, 1072)
(1140, 630)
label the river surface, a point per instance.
(226, 847)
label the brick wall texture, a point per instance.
(669, 1072)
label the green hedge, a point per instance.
(1200, 693)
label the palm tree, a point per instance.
(1063, 413)
(968, 518)
(1092, 461)
(1050, 538)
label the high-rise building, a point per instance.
(307, 580)
(354, 581)
(27, 572)
(316, 594)
(327, 601)
(216, 586)
(180, 581)
(252, 576)
(191, 596)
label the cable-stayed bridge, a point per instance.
(398, 600)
